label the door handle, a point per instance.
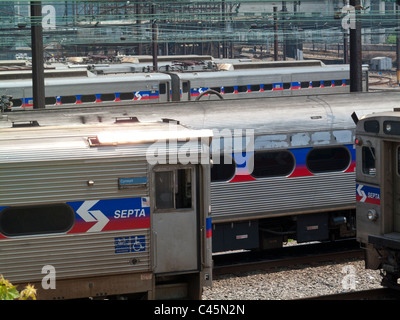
(154, 250)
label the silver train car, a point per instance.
(378, 181)
(83, 213)
(281, 167)
(270, 80)
(297, 180)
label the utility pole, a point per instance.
(37, 55)
(224, 44)
(355, 51)
(275, 34)
(283, 24)
(154, 37)
(345, 47)
(138, 27)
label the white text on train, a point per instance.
(137, 213)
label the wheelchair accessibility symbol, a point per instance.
(138, 243)
(130, 244)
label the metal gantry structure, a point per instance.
(205, 27)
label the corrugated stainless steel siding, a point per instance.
(73, 255)
(23, 258)
(29, 183)
(269, 196)
(63, 151)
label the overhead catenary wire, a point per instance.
(121, 22)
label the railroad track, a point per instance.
(285, 257)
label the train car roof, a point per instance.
(260, 72)
(16, 75)
(274, 64)
(83, 80)
(95, 141)
(391, 113)
(263, 115)
(385, 125)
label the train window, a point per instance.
(347, 82)
(183, 192)
(68, 99)
(305, 85)
(270, 164)
(368, 161)
(162, 88)
(255, 87)
(173, 189)
(391, 127)
(398, 161)
(315, 84)
(268, 87)
(371, 126)
(37, 219)
(224, 170)
(164, 190)
(286, 85)
(50, 101)
(337, 83)
(229, 89)
(16, 102)
(327, 83)
(217, 89)
(242, 89)
(126, 96)
(185, 86)
(107, 97)
(88, 98)
(328, 159)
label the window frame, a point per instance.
(372, 152)
(69, 212)
(216, 164)
(174, 169)
(277, 151)
(330, 170)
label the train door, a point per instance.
(175, 221)
(287, 85)
(185, 90)
(163, 92)
(396, 186)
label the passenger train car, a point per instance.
(84, 214)
(378, 181)
(281, 167)
(277, 81)
(249, 81)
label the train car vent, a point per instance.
(93, 141)
(21, 124)
(166, 120)
(127, 120)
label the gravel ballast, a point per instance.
(296, 282)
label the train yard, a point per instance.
(293, 198)
(201, 150)
(331, 276)
(288, 256)
(295, 272)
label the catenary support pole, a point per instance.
(355, 50)
(37, 55)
